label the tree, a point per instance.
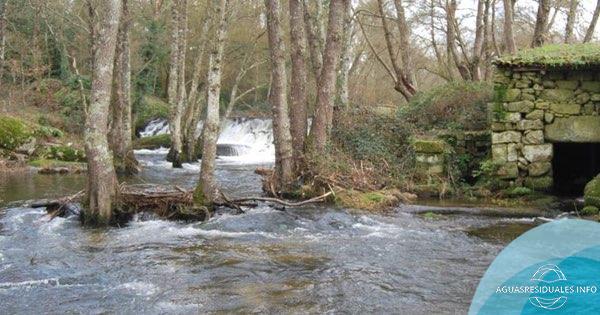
(571, 17)
(194, 102)
(2, 38)
(121, 127)
(541, 24)
(177, 78)
(299, 77)
(278, 98)
(590, 31)
(101, 180)
(346, 63)
(323, 117)
(314, 31)
(509, 38)
(206, 191)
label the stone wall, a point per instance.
(435, 153)
(535, 108)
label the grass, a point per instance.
(556, 55)
(49, 163)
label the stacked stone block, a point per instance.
(533, 109)
(430, 156)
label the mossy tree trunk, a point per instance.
(102, 181)
(177, 78)
(278, 98)
(195, 99)
(322, 121)
(206, 191)
(122, 128)
(298, 96)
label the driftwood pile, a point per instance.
(169, 202)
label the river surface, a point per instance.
(314, 260)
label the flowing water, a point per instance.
(317, 259)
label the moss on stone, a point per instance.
(429, 146)
(539, 183)
(557, 55)
(592, 192)
(373, 201)
(153, 142)
(519, 191)
(14, 132)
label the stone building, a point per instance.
(546, 118)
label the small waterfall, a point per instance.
(155, 127)
(246, 140)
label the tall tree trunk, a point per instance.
(284, 172)
(323, 117)
(2, 38)
(314, 39)
(193, 108)
(177, 79)
(451, 38)
(121, 131)
(571, 16)
(298, 96)
(541, 23)
(479, 39)
(401, 81)
(207, 192)
(405, 52)
(509, 38)
(101, 180)
(343, 80)
(590, 31)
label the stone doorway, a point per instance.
(574, 165)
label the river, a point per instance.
(315, 259)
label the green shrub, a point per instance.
(589, 210)
(14, 132)
(65, 153)
(456, 105)
(48, 132)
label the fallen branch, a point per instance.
(283, 202)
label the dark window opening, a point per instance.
(574, 165)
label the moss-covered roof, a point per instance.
(554, 56)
